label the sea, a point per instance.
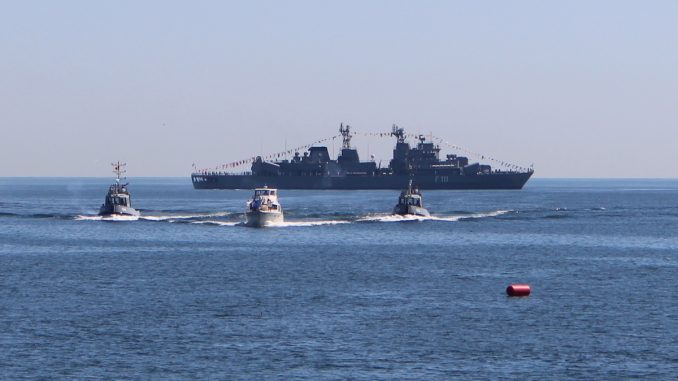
(342, 290)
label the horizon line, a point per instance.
(188, 176)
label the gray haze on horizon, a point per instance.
(579, 88)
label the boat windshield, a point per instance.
(410, 201)
(119, 201)
(264, 192)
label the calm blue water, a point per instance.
(341, 291)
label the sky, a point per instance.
(576, 88)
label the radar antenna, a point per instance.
(346, 135)
(399, 133)
(119, 170)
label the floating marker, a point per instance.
(518, 290)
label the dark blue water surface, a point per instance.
(341, 290)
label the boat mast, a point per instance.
(119, 170)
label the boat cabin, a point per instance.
(118, 199)
(264, 192)
(410, 200)
(264, 199)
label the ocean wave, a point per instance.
(36, 215)
(394, 218)
(453, 218)
(106, 218)
(285, 224)
(154, 218)
(495, 213)
(308, 223)
(217, 223)
(208, 219)
(557, 216)
(172, 217)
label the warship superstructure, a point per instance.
(315, 169)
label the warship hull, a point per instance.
(502, 180)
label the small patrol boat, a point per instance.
(410, 203)
(263, 209)
(118, 201)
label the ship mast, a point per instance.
(119, 170)
(346, 136)
(399, 133)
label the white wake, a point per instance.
(407, 218)
(308, 223)
(169, 217)
(106, 218)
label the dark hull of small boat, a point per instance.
(117, 210)
(405, 210)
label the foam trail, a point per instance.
(308, 223)
(393, 218)
(218, 223)
(406, 218)
(166, 217)
(486, 214)
(285, 224)
(106, 218)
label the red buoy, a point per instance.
(518, 290)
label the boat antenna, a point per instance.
(346, 135)
(119, 170)
(399, 133)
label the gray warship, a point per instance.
(118, 201)
(316, 170)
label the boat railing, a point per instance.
(118, 188)
(221, 173)
(507, 171)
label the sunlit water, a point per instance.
(341, 289)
